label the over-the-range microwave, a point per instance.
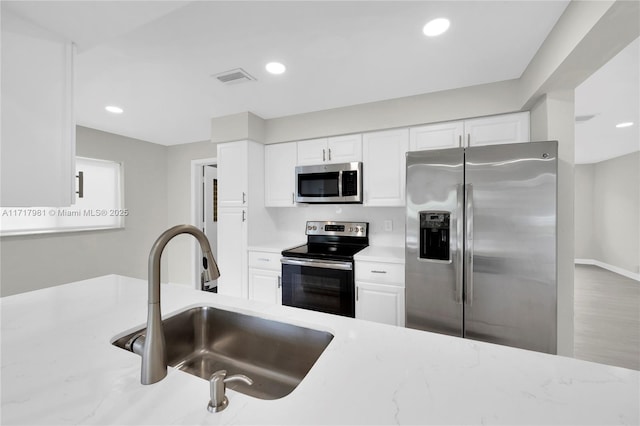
(329, 183)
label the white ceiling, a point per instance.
(155, 59)
(612, 96)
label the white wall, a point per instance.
(38, 261)
(290, 221)
(608, 220)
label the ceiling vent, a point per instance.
(234, 76)
(583, 118)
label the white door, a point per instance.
(436, 136)
(499, 129)
(279, 174)
(380, 303)
(232, 237)
(344, 149)
(264, 286)
(384, 167)
(312, 152)
(232, 174)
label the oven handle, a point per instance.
(327, 264)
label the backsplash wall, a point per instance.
(290, 221)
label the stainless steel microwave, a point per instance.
(329, 183)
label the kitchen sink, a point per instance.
(275, 355)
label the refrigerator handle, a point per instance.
(468, 244)
(458, 261)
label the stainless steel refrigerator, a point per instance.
(481, 243)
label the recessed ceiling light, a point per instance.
(275, 68)
(114, 109)
(436, 27)
(625, 124)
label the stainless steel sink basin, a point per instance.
(275, 355)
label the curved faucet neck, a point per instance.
(154, 355)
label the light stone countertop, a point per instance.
(58, 367)
(275, 246)
(381, 254)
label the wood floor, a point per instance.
(606, 317)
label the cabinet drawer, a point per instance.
(380, 272)
(264, 260)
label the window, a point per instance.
(99, 204)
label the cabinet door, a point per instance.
(279, 174)
(380, 303)
(384, 167)
(313, 151)
(232, 251)
(264, 286)
(232, 174)
(344, 149)
(38, 128)
(500, 129)
(436, 136)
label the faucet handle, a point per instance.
(217, 386)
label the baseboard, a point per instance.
(608, 267)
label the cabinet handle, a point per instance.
(279, 281)
(468, 139)
(460, 141)
(244, 215)
(244, 198)
(323, 154)
(293, 198)
(378, 272)
(80, 190)
(264, 259)
(329, 154)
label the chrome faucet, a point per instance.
(154, 352)
(218, 385)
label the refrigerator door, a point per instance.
(433, 253)
(510, 296)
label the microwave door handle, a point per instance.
(340, 184)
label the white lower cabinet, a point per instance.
(380, 292)
(380, 303)
(232, 254)
(265, 283)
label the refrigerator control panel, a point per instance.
(434, 235)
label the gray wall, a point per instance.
(584, 246)
(37, 261)
(177, 255)
(608, 212)
(553, 119)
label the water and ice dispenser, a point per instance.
(434, 235)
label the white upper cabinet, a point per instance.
(436, 136)
(279, 174)
(344, 149)
(38, 128)
(233, 174)
(499, 129)
(384, 167)
(335, 149)
(494, 130)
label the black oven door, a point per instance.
(319, 285)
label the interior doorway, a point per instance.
(204, 214)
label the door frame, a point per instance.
(196, 207)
